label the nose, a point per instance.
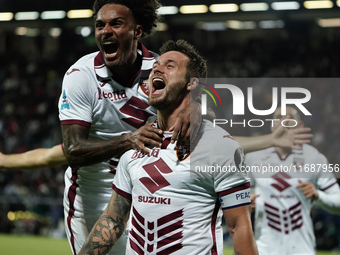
(107, 29)
(158, 69)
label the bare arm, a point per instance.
(239, 225)
(109, 227)
(81, 151)
(34, 159)
(281, 137)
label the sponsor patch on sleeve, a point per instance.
(65, 104)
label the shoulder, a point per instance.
(259, 155)
(216, 141)
(312, 153)
(85, 63)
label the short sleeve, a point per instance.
(326, 178)
(75, 102)
(232, 185)
(122, 181)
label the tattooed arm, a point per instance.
(109, 227)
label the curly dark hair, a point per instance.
(197, 66)
(143, 11)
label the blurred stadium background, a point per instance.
(39, 40)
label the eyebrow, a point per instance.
(166, 62)
(112, 20)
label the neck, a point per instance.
(283, 152)
(125, 72)
(167, 118)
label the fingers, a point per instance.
(145, 136)
(301, 183)
(184, 135)
(302, 130)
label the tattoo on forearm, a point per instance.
(108, 230)
(104, 235)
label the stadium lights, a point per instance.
(329, 22)
(318, 4)
(54, 32)
(30, 32)
(26, 15)
(236, 24)
(269, 24)
(223, 8)
(279, 6)
(79, 14)
(161, 27)
(168, 10)
(53, 15)
(211, 26)
(338, 3)
(248, 7)
(191, 9)
(6, 16)
(83, 31)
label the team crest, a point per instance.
(65, 104)
(298, 163)
(144, 86)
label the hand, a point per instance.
(183, 128)
(291, 138)
(252, 199)
(308, 190)
(145, 135)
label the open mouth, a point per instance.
(110, 49)
(158, 85)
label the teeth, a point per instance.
(158, 79)
(108, 43)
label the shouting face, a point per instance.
(117, 35)
(167, 80)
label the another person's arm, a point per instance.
(34, 159)
(282, 137)
(109, 227)
(81, 151)
(328, 199)
(239, 226)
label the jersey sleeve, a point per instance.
(122, 182)
(75, 102)
(232, 185)
(326, 178)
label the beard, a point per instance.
(172, 99)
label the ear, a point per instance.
(193, 83)
(138, 31)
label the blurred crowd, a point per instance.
(30, 89)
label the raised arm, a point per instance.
(239, 226)
(282, 137)
(34, 159)
(81, 151)
(109, 227)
